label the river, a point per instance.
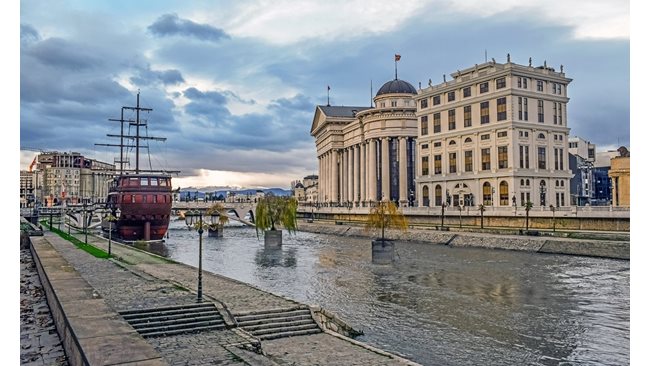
(440, 305)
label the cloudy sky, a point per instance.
(234, 84)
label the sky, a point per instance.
(234, 84)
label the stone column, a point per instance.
(385, 169)
(320, 177)
(403, 176)
(362, 172)
(335, 187)
(350, 174)
(372, 172)
(344, 175)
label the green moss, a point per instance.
(90, 249)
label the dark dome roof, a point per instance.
(396, 86)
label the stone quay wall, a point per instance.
(540, 244)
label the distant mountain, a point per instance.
(201, 192)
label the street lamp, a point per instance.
(194, 219)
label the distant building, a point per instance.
(620, 175)
(582, 155)
(70, 178)
(307, 190)
(27, 197)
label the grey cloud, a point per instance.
(28, 34)
(57, 52)
(171, 24)
(147, 76)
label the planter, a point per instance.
(273, 239)
(383, 251)
(216, 233)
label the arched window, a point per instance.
(542, 193)
(452, 142)
(468, 140)
(503, 193)
(521, 183)
(487, 194)
(425, 196)
(541, 136)
(438, 193)
(561, 183)
(557, 183)
(527, 182)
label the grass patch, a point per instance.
(90, 249)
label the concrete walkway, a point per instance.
(141, 280)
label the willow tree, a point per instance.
(386, 215)
(274, 211)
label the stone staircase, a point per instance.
(278, 323)
(172, 320)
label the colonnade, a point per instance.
(352, 174)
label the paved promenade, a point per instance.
(141, 280)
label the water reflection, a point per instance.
(439, 305)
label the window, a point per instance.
(519, 82)
(540, 111)
(154, 181)
(451, 117)
(452, 143)
(487, 194)
(483, 87)
(501, 83)
(540, 86)
(452, 162)
(436, 122)
(503, 193)
(424, 125)
(383, 104)
(501, 109)
(485, 112)
(468, 140)
(425, 146)
(425, 196)
(541, 136)
(467, 92)
(437, 144)
(502, 134)
(525, 83)
(559, 113)
(523, 157)
(436, 100)
(485, 159)
(437, 164)
(438, 193)
(541, 158)
(559, 159)
(144, 181)
(468, 161)
(424, 103)
(503, 157)
(554, 88)
(554, 113)
(425, 165)
(467, 116)
(485, 137)
(451, 96)
(393, 103)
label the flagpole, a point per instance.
(328, 95)
(395, 68)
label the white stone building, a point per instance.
(496, 134)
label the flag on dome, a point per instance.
(397, 57)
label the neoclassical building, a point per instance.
(496, 135)
(366, 154)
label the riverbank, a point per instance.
(134, 280)
(616, 249)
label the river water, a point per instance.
(439, 305)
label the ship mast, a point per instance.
(137, 123)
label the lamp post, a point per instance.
(553, 210)
(85, 225)
(110, 218)
(194, 219)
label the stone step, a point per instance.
(165, 311)
(281, 330)
(277, 319)
(185, 321)
(270, 311)
(181, 331)
(252, 328)
(155, 317)
(182, 327)
(267, 337)
(206, 305)
(248, 317)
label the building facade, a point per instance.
(367, 154)
(495, 135)
(620, 175)
(70, 178)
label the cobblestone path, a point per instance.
(39, 342)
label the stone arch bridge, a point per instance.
(239, 209)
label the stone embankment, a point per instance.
(616, 249)
(97, 305)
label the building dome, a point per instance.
(396, 86)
